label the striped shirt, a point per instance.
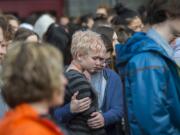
(78, 82)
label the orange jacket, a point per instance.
(24, 120)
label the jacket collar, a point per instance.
(25, 111)
(153, 34)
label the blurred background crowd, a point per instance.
(86, 65)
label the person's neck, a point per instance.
(41, 107)
(164, 30)
(75, 66)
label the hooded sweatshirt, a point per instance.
(152, 86)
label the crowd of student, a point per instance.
(115, 72)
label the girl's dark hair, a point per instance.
(142, 13)
(107, 43)
(57, 36)
(108, 31)
(123, 33)
(124, 15)
(160, 10)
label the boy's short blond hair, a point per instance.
(85, 42)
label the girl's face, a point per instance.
(136, 24)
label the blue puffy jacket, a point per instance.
(152, 87)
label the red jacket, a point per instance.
(24, 120)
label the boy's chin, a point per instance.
(94, 71)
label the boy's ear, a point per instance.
(79, 56)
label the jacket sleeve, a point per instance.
(63, 114)
(147, 96)
(115, 113)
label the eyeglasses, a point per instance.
(108, 61)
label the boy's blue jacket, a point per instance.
(112, 108)
(152, 87)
